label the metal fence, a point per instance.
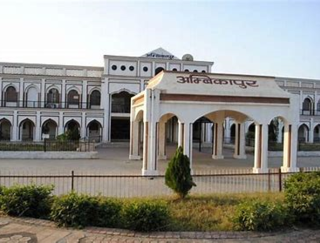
(124, 186)
(48, 145)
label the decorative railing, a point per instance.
(50, 105)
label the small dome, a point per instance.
(187, 57)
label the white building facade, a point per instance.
(37, 99)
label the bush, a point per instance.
(302, 195)
(108, 213)
(145, 215)
(178, 174)
(260, 216)
(78, 211)
(74, 210)
(26, 200)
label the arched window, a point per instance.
(53, 96)
(307, 107)
(95, 98)
(158, 70)
(121, 102)
(73, 97)
(11, 94)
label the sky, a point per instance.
(276, 38)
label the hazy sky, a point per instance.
(280, 38)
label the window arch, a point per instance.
(73, 98)
(95, 98)
(11, 94)
(307, 106)
(53, 96)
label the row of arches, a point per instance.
(27, 129)
(309, 107)
(53, 98)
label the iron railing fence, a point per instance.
(48, 145)
(50, 105)
(126, 186)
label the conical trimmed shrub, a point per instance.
(178, 174)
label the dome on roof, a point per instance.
(187, 57)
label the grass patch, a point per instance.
(211, 212)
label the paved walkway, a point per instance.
(32, 230)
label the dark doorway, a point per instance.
(120, 129)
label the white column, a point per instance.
(162, 141)
(311, 139)
(38, 128)
(43, 93)
(134, 141)
(261, 149)
(227, 131)
(218, 140)
(14, 136)
(84, 94)
(61, 125)
(105, 105)
(240, 141)
(0, 91)
(290, 149)
(279, 136)
(187, 142)
(21, 98)
(83, 125)
(180, 133)
(63, 93)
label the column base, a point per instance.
(289, 169)
(217, 156)
(259, 170)
(149, 172)
(134, 157)
(240, 156)
(162, 157)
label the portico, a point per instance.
(189, 96)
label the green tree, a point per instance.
(178, 174)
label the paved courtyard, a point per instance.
(15, 230)
(114, 160)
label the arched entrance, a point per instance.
(72, 127)
(5, 130)
(94, 131)
(27, 130)
(316, 134)
(50, 127)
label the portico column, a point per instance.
(261, 149)
(180, 133)
(150, 149)
(218, 140)
(290, 149)
(134, 141)
(162, 141)
(240, 142)
(187, 142)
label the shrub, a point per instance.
(74, 210)
(145, 215)
(26, 200)
(108, 213)
(178, 174)
(302, 195)
(260, 216)
(78, 211)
